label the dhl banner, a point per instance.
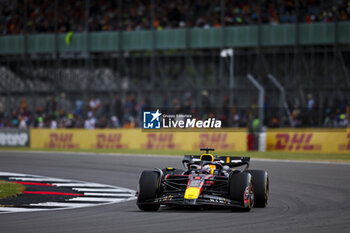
(323, 141)
(137, 139)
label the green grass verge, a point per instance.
(263, 155)
(8, 189)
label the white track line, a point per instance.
(98, 190)
(80, 185)
(14, 174)
(39, 179)
(97, 199)
(61, 204)
(15, 209)
(109, 194)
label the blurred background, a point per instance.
(97, 63)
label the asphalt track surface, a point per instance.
(304, 197)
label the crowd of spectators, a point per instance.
(43, 16)
(333, 113)
(126, 112)
(92, 114)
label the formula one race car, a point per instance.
(206, 180)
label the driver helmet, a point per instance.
(195, 167)
(206, 169)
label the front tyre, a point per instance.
(148, 190)
(261, 187)
(241, 189)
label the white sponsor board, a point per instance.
(14, 137)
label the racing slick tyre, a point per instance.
(241, 189)
(148, 190)
(261, 187)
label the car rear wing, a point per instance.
(191, 158)
(231, 161)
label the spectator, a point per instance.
(136, 15)
(53, 124)
(93, 103)
(118, 107)
(115, 122)
(89, 123)
(78, 107)
(129, 123)
(22, 123)
(40, 122)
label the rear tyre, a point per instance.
(241, 189)
(261, 187)
(148, 190)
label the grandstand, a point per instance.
(64, 61)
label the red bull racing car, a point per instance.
(206, 180)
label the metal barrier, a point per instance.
(238, 36)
